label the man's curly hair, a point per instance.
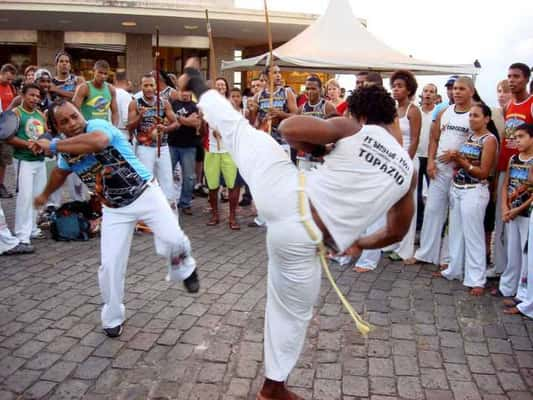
(374, 104)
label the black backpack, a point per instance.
(71, 222)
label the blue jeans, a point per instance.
(187, 159)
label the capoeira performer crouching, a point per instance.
(100, 155)
(367, 174)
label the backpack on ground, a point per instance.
(71, 221)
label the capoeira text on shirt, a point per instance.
(460, 130)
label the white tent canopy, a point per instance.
(338, 43)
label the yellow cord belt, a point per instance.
(362, 326)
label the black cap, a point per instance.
(451, 80)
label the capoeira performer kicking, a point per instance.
(100, 155)
(367, 174)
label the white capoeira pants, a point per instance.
(500, 248)
(293, 267)
(31, 180)
(369, 258)
(118, 225)
(526, 307)
(516, 268)
(435, 214)
(7, 240)
(467, 235)
(160, 167)
(406, 248)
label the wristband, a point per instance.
(53, 146)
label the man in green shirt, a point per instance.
(97, 99)
(30, 167)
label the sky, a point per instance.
(497, 33)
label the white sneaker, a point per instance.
(38, 235)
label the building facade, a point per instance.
(122, 32)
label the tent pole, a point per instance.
(270, 68)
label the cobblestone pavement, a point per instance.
(432, 340)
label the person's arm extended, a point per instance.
(82, 91)
(415, 123)
(55, 181)
(92, 142)
(487, 160)
(434, 138)
(310, 130)
(18, 143)
(114, 106)
(398, 221)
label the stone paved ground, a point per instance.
(432, 340)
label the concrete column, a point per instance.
(224, 49)
(138, 56)
(48, 43)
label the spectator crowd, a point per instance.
(474, 187)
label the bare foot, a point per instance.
(510, 303)
(442, 267)
(411, 261)
(512, 311)
(477, 291)
(361, 269)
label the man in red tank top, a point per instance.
(518, 111)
